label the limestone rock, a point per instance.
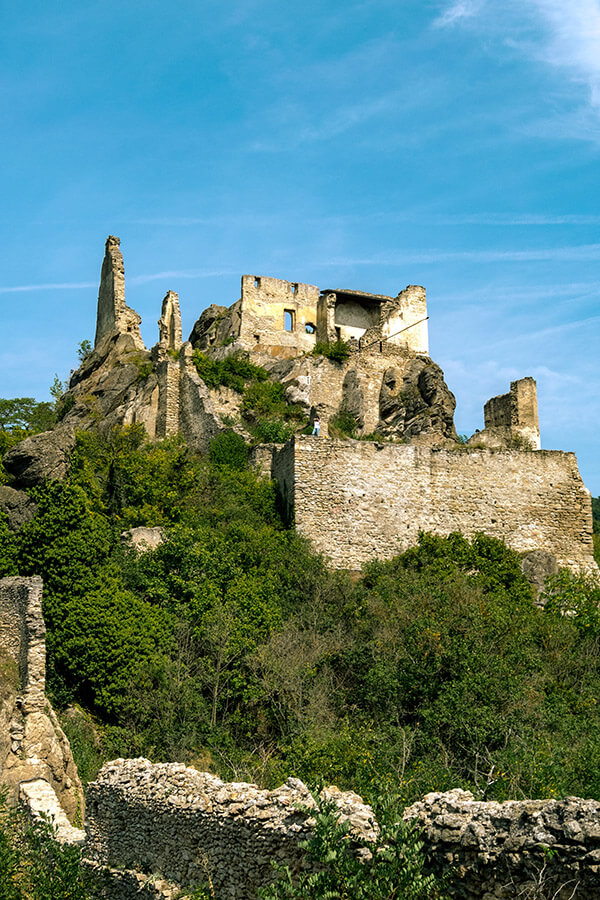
(143, 538)
(41, 457)
(216, 325)
(17, 505)
(416, 401)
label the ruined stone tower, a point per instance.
(114, 316)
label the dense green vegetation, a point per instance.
(232, 645)
(33, 866)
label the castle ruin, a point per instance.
(355, 500)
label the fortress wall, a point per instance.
(358, 500)
(177, 825)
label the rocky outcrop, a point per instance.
(17, 506)
(416, 401)
(537, 566)
(142, 538)
(41, 457)
(169, 324)
(216, 325)
(181, 824)
(114, 316)
(32, 744)
(520, 848)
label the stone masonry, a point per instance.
(35, 758)
(168, 825)
(359, 500)
(520, 848)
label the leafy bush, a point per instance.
(339, 351)
(342, 425)
(229, 450)
(351, 868)
(234, 371)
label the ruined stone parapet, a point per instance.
(512, 419)
(41, 802)
(114, 316)
(32, 744)
(181, 824)
(520, 848)
(361, 500)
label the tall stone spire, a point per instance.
(114, 316)
(169, 324)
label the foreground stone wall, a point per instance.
(34, 750)
(152, 828)
(525, 848)
(358, 500)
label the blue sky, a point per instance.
(346, 144)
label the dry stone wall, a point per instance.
(358, 500)
(168, 825)
(521, 848)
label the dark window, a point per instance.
(309, 328)
(257, 282)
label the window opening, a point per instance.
(338, 333)
(257, 338)
(294, 289)
(257, 282)
(309, 328)
(289, 319)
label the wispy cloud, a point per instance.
(538, 254)
(457, 12)
(185, 273)
(27, 288)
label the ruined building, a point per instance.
(354, 499)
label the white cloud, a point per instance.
(457, 12)
(26, 288)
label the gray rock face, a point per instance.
(17, 505)
(537, 566)
(41, 457)
(416, 402)
(215, 325)
(520, 848)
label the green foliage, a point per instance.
(268, 415)
(24, 415)
(84, 350)
(229, 450)
(342, 425)
(234, 371)
(391, 867)
(596, 514)
(33, 866)
(339, 351)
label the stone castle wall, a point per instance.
(178, 825)
(359, 500)
(263, 317)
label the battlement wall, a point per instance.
(359, 500)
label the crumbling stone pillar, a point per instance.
(114, 316)
(169, 324)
